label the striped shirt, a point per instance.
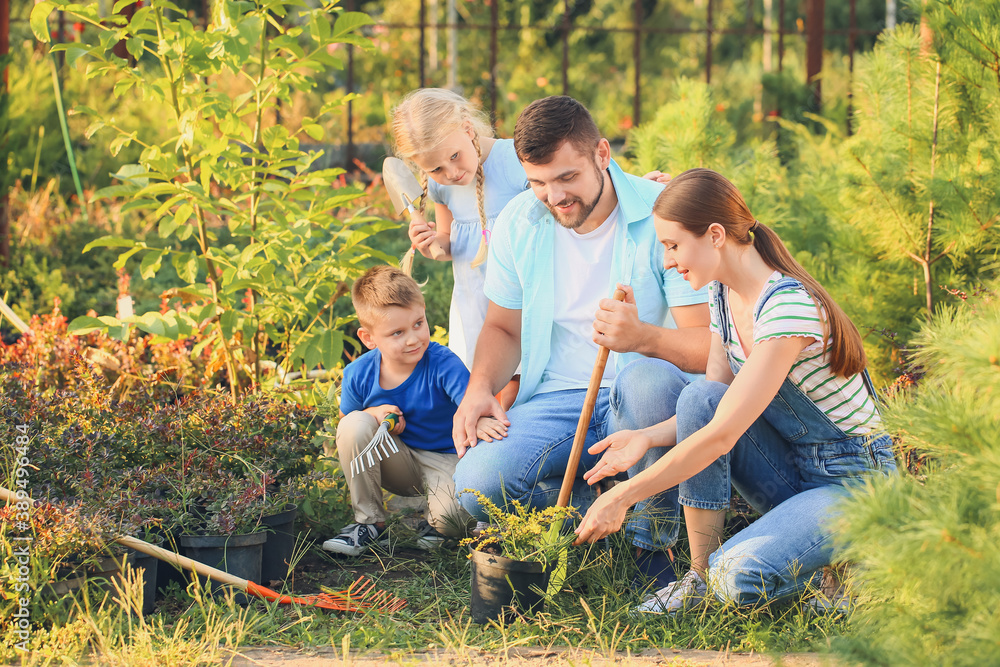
(793, 313)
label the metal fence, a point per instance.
(780, 21)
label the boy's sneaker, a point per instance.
(356, 539)
(428, 538)
(687, 592)
(480, 527)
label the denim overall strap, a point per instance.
(791, 412)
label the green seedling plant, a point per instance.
(296, 245)
(523, 533)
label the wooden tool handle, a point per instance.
(590, 400)
(167, 556)
(437, 252)
(158, 552)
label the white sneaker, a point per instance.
(690, 590)
(357, 538)
(428, 539)
(837, 605)
(832, 596)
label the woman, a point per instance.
(787, 414)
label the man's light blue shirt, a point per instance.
(520, 271)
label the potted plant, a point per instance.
(283, 501)
(67, 546)
(220, 521)
(513, 557)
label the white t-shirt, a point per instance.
(582, 270)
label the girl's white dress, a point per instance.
(505, 179)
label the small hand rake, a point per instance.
(360, 596)
(381, 446)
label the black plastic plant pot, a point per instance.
(239, 555)
(168, 572)
(279, 545)
(502, 587)
(150, 569)
(99, 573)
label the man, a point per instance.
(585, 228)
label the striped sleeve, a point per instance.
(789, 313)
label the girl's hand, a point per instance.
(622, 450)
(379, 412)
(421, 232)
(604, 517)
(489, 429)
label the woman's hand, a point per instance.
(657, 176)
(604, 517)
(622, 450)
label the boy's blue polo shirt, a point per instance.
(428, 398)
(520, 271)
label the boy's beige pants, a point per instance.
(408, 472)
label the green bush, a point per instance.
(928, 544)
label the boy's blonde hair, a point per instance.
(382, 287)
(424, 119)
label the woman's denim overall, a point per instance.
(791, 465)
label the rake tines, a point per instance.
(381, 446)
(362, 594)
(359, 596)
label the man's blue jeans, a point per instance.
(793, 465)
(528, 465)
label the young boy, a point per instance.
(422, 382)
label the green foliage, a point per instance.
(922, 186)
(295, 247)
(523, 533)
(48, 231)
(929, 545)
(694, 131)
(32, 148)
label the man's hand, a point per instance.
(617, 325)
(421, 232)
(622, 450)
(490, 429)
(474, 406)
(380, 411)
(604, 517)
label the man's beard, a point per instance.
(586, 208)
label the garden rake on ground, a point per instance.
(381, 447)
(361, 596)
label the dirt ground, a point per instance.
(525, 657)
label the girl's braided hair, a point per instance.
(423, 120)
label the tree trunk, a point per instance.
(814, 48)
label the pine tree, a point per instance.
(920, 176)
(928, 544)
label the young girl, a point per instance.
(786, 414)
(472, 177)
